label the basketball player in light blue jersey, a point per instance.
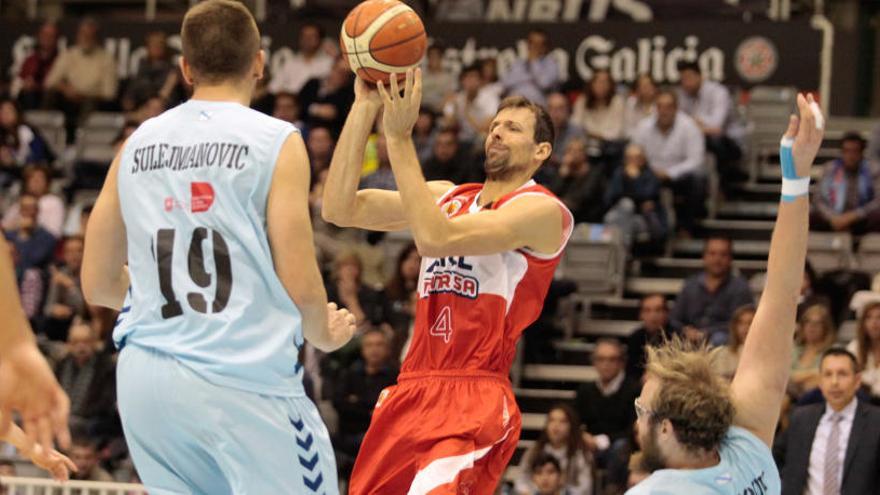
(207, 204)
(698, 435)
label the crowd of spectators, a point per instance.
(617, 150)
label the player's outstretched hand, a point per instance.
(365, 93)
(808, 132)
(58, 465)
(28, 387)
(402, 111)
(341, 324)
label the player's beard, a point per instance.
(499, 167)
(652, 458)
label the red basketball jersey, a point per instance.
(472, 309)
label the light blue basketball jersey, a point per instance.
(746, 468)
(193, 186)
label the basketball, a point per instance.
(382, 37)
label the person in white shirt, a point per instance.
(471, 109)
(710, 105)
(309, 62)
(675, 149)
(832, 448)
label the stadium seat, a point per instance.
(868, 255)
(595, 259)
(828, 251)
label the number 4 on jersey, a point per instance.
(442, 326)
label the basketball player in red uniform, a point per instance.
(489, 251)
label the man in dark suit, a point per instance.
(654, 315)
(832, 448)
(606, 408)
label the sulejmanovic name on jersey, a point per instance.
(193, 188)
(211, 154)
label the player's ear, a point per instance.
(543, 151)
(259, 64)
(186, 70)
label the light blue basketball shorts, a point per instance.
(189, 436)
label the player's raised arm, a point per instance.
(289, 228)
(763, 370)
(343, 204)
(536, 222)
(104, 277)
(27, 385)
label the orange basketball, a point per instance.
(382, 37)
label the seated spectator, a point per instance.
(309, 62)
(64, 300)
(34, 244)
(546, 476)
(566, 130)
(491, 81)
(424, 133)
(356, 391)
(727, 358)
(326, 100)
(438, 83)
(156, 75)
(346, 288)
(633, 200)
(710, 105)
(606, 407)
(866, 348)
(580, 184)
(20, 144)
(33, 72)
(51, 207)
(84, 453)
(676, 152)
(398, 290)
(849, 191)
(535, 75)
(655, 328)
(471, 109)
(89, 379)
(382, 177)
(449, 160)
(640, 104)
(320, 145)
(83, 77)
(561, 439)
(815, 335)
(286, 108)
(832, 447)
(707, 300)
(599, 109)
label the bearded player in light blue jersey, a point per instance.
(208, 205)
(698, 435)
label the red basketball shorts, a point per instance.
(439, 433)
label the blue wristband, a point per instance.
(793, 186)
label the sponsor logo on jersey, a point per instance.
(202, 196)
(450, 274)
(452, 207)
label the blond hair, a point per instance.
(829, 332)
(694, 398)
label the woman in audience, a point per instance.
(728, 356)
(50, 214)
(397, 294)
(599, 109)
(20, 144)
(633, 199)
(816, 333)
(562, 439)
(866, 347)
(346, 288)
(640, 103)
